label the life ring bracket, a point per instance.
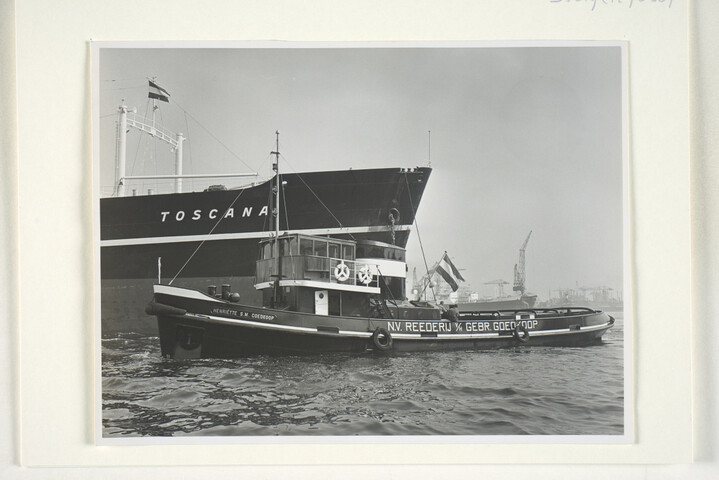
(342, 272)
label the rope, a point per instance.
(321, 202)
(137, 151)
(207, 237)
(419, 237)
(429, 279)
(388, 290)
(212, 135)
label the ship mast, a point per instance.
(129, 119)
(276, 215)
(149, 128)
(276, 188)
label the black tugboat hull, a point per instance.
(194, 325)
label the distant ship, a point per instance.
(143, 237)
(602, 297)
(466, 301)
(499, 303)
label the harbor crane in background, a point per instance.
(424, 283)
(519, 272)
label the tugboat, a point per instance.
(323, 294)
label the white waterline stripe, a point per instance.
(236, 236)
(274, 326)
(402, 336)
(566, 331)
(532, 333)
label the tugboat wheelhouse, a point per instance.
(328, 276)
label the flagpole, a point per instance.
(154, 107)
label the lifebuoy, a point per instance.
(342, 272)
(382, 339)
(364, 275)
(524, 336)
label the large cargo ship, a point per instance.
(139, 233)
(143, 237)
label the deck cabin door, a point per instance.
(321, 302)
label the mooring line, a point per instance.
(207, 237)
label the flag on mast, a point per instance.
(449, 272)
(158, 93)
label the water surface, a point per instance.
(516, 391)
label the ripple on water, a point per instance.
(523, 391)
(173, 399)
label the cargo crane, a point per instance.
(519, 273)
(500, 285)
(424, 283)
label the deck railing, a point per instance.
(524, 313)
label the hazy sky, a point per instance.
(521, 139)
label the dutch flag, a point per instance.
(158, 93)
(449, 272)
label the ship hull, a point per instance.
(211, 237)
(194, 325)
(134, 231)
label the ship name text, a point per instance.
(459, 327)
(242, 314)
(211, 214)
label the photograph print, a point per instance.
(386, 240)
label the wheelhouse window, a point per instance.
(325, 247)
(288, 246)
(398, 254)
(305, 246)
(381, 251)
(320, 248)
(266, 251)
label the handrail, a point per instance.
(467, 314)
(190, 175)
(140, 123)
